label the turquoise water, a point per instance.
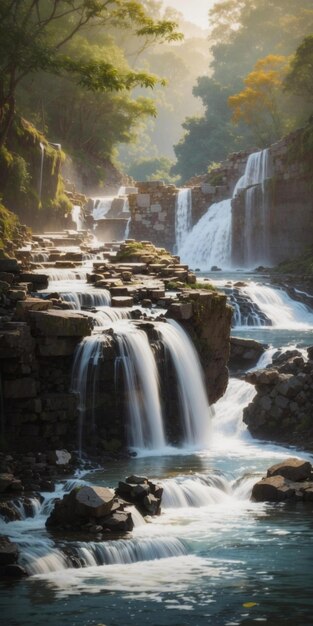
(217, 551)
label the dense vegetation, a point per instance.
(64, 67)
(253, 96)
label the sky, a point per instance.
(194, 10)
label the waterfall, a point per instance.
(194, 491)
(193, 400)
(102, 207)
(127, 229)
(42, 157)
(77, 216)
(88, 299)
(277, 306)
(145, 427)
(84, 378)
(137, 364)
(256, 231)
(209, 242)
(43, 557)
(183, 216)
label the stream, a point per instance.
(213, 557)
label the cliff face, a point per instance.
(282, 206)
(38, 339)
(30, 180)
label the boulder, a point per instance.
(5, 481)
(274, 489)
(122, 301)
(8, 551)
(31, 304)
(58, 323)
(59, 457)
(121, 521)
(293, 469)
(94, 501)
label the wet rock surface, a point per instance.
(39, 333)
(290, 480)
(282, 410)
(100, 511)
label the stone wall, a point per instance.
(153, 213)
(289, 204)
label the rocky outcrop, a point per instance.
(98, 510)
(39, 335)
(288, 200)
(282, 409)
(290, 480)
(244, 353)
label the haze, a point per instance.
(195, 11)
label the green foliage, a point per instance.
(158, 168)
(299, 79)
(35, 36)
(9, 226)
(173, 285)
(302, 265)
(242, 32)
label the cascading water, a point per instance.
(88, 299)
(84, 378)
(77, 216)
(102, 206)
(277, 305)
(210, 241)
(256, 232)
(183, 216)
(42, 157)
(145, 428)
(137, 364)
(194, 408)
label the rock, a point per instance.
(8, 551)
(180, 311)
(274, 489)
(8, 512)
(16, 294)
(94, 501)
(20, 388)
(6, 481)
(31, 304)
(60, 323)
(136, 480)
(122, 301)
(59, 457)
(4, 287)
(10, 266)
(293, 469)
(121, 521)
(15, 571)
(152, 504)
(39, 281)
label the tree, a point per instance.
(241, 33)
(299, 79)
(258, 103)
(34, 36)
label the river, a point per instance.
(213, 557)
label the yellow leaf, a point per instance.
(249, 605)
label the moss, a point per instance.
(11, 229)
(301, 265)
(20, 170)
(177, 285)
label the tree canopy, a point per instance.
(35, 36)
(242, 33)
